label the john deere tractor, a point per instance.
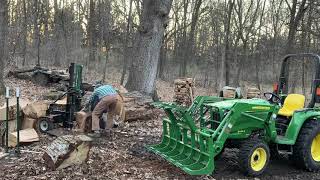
(194, 137)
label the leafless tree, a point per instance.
(152, 26)
(3, 31)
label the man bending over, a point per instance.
(103, 100)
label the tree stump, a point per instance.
(67, 150)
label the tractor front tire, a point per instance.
(306, 151)
(253, 157)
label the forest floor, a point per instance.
(124, 156)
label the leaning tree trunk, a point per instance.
(3, 29)
(143, 70)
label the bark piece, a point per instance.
(67, 150)
(36, 110)
(26, 136)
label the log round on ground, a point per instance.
(67, 150)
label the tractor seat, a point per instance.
(292, 103)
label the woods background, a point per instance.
(218, 42)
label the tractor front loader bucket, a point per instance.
(183, 144)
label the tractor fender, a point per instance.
(298, 120)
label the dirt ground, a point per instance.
(124, 156)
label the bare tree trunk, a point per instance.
(57, 32)
(36, 29)
(163, 60)
(275, 27)
(105, 21)
(241, 63)
(3, 30)
(258, 54)
(183, 66)
(189, 50)
(305, 44)
(295, 18)
(224, 75)
(63, 26)
(154, 20)
(92, 36)
(24, 33)
(125, 57)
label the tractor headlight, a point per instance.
(274, 116)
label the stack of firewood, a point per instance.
(229, 92)
(253, 92)
(184, 91)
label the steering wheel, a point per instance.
(272, 98)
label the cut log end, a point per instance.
(67, 150)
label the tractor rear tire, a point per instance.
(253, 157)
(306, 151)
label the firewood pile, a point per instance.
(184, 91)
(229, 92)
(253, 92)
(29, 113)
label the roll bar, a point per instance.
(283, 80)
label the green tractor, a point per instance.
(194, 137)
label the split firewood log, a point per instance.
(36, 110)
(83, 121)
(67, 150)
(12, 108)
(28, 123)
(25, 136)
